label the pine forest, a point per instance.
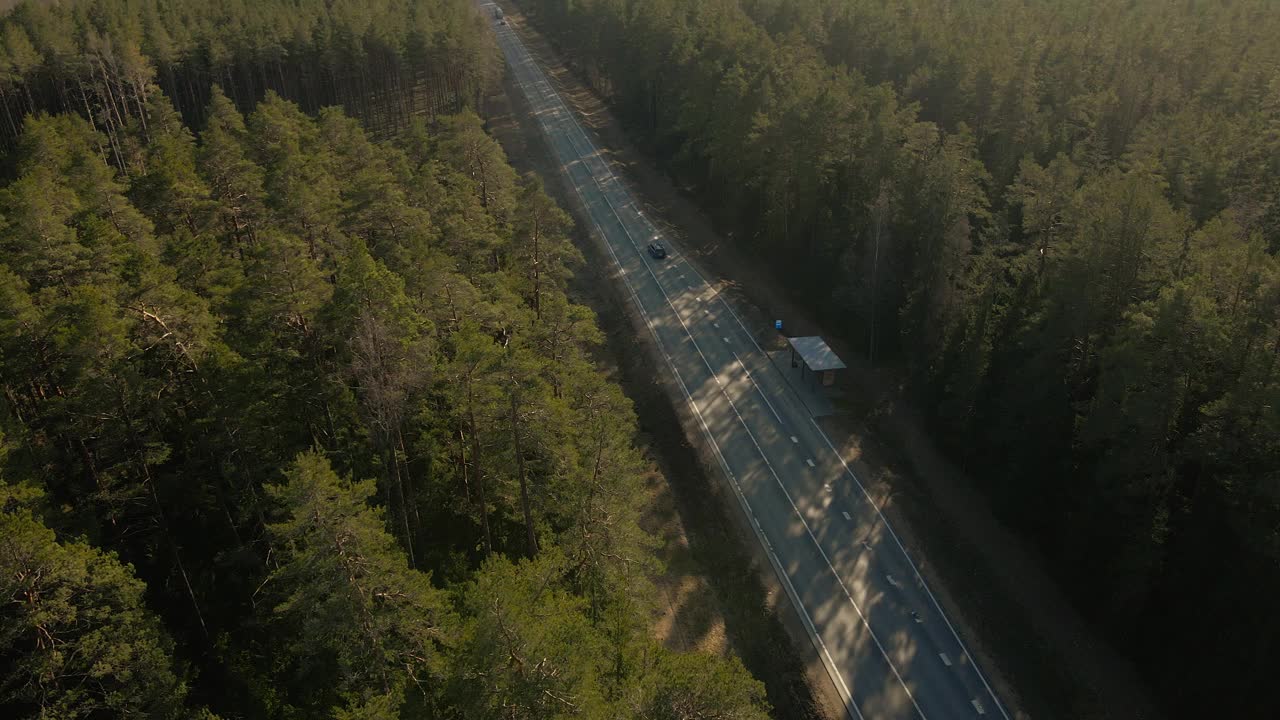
(301, 418)
(299, 423)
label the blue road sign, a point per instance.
(777, 325)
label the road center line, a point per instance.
(813, 538)
(919, 578)
(835, 671)
(866, 623)
(760, 390)
(532, 68)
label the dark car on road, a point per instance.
(657, 250)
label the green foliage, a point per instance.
(76, 640)
(205, 335)
(528, 650)
(386, 61)
(1059, 219)
(676, 686)
(365, 626)
(532, 648)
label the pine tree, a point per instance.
(528, 651)
(76, 640)
(361, 626)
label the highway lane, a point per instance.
(888, 646)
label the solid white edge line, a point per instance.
(919, 577)
(839, 580)
(761, 391)
(611, 177)
(716, 294)
(720, 296)
(747, 428)
(746, 506)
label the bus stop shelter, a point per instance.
(813, 354)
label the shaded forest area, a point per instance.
(299, 424)
(1061, 220)
(383, 61)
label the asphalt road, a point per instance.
(890, 650)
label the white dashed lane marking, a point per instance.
(795, 439)
(945, 660)
(809, 461)
(846, 516)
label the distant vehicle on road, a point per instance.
(657, 250)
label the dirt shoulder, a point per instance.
(717, 590)
(1042, 656)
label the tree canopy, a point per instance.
(1060, 220)
(297, 423)
(385, 61)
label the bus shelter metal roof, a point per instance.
(816, 354)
